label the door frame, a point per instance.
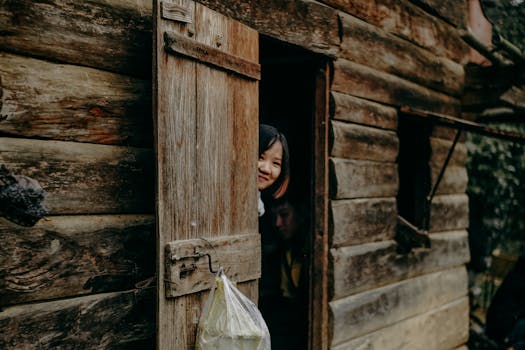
(318, 316)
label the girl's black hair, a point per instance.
(268, 135)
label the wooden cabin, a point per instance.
(140, 121)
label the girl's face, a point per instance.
(270, 166)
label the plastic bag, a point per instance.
(231, 321)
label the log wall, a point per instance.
(75, 114)
(75, 106)
(395, 53)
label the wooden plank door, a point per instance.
(206, 126)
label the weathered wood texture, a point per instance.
(363, 220)
(188, 269)
(113, 35)
(514, 96)
(362, 81)
(452, 11)
(81, 178)
(440, 149)
(362, 178)
(318, 295)
(446, 133)
(368, 266)
(368, 45)
(105, 321)
(455, 178)
(361, 142)
(65, 102)
(301, 22)
(406, 20)
(356, 110)
(449, 212)
(64, 256)
(206, 133)
(444, 328)
(367, 312)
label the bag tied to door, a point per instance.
(231, 321)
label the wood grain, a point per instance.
(452, 11)
(361, 81)
(102, 321)
(318, 278)
(64, 256)
(440, 149)
(360, 111)
(454, 180)
(449, 212)
(406, 20)
(64, 102)
(362, 220)
(113, 35)
(304, 23)
(362, 178)
(443, 328)
(368, 266)
(81, 178)
(373, 310)
(206, 133)
(373, 47)
(188, 266)
(360, 142)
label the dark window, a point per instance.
(414, 178)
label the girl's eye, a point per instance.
(277, 164)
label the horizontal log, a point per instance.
(440, 149)
(81, 178)
(300, 22)
(444, 328)
(112, 35)
(454, 180)
(449, 212)
(238, 255)
(102, 321)
(373, 47)
(445, 133)
(356, 110)
(64, 256)
(64, 102)
(357, 221)
(515, 96)
(369, 311)
(364, 267)
(365, 82)
(452, 11)
(406, 20)
(362, 142)
(362, 178)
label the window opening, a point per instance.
(414, 183)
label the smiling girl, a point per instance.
(273, 167)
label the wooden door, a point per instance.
(206, 126)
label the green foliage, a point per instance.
(497, 190)
(508, 16)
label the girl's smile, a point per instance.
(269, 166)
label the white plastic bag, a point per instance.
(231, 321)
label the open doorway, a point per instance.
(290, 101)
